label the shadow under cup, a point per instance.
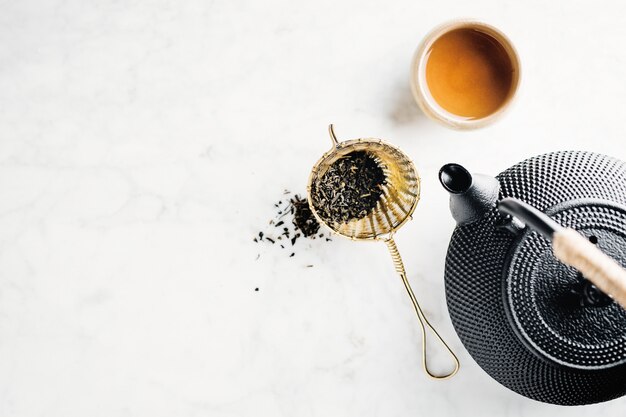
(465, 74)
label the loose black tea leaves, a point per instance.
(349, 189)
(294, 219)
(303, 218)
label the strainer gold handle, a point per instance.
(424, 323)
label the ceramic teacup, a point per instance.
(465, 74)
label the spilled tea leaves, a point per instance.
(293, 220)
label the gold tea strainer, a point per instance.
(400, 195)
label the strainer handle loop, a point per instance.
(424, 323)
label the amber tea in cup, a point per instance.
(465, 74)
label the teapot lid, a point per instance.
(558, 313)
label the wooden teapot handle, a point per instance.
(573, 249)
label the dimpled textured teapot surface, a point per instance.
(532, 323)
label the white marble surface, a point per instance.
(142, 144)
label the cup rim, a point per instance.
(419, 86)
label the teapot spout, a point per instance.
(471, 196)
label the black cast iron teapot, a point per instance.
(534, 324)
